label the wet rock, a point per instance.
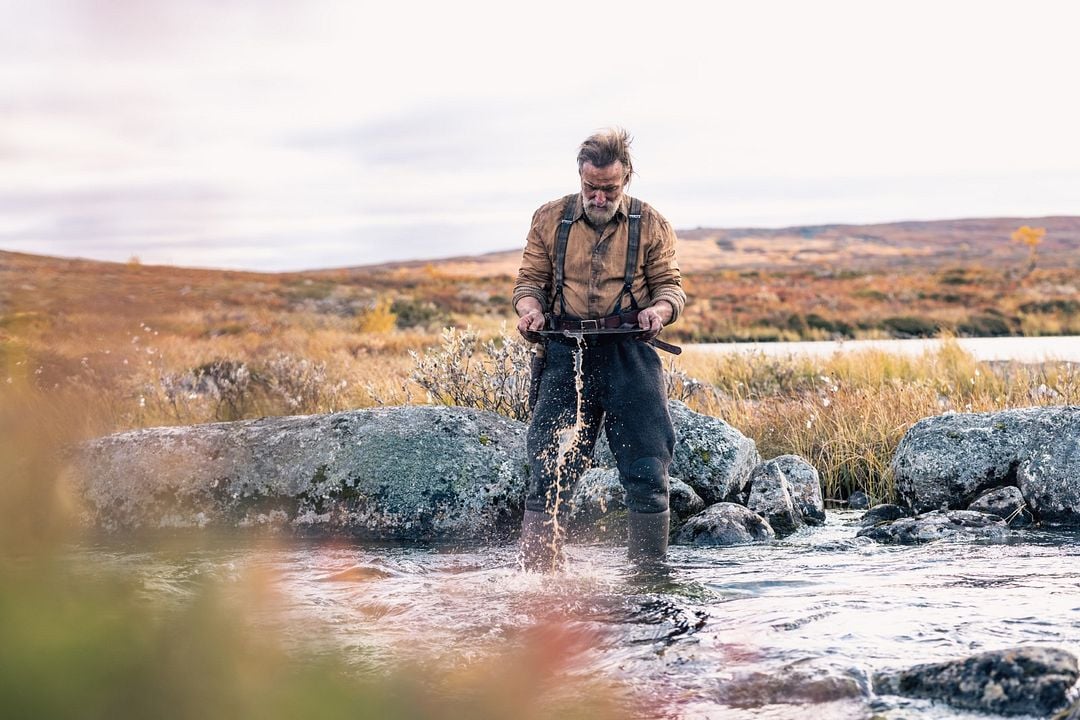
(937, 525)
(858, 500)
(949, 460)
(796, 684)
(805, 487)
(1005, 502)
(1018, 681)
(786, 491)
(712, 457)
(883, 513)
(392, 473)
(770, 497)
(725, 524)
(598, 506)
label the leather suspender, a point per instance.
(560, 249)
(634, 231)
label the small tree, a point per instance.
(1031, 237)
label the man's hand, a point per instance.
(652, 319)
(532, 319)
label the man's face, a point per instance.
(601, 191)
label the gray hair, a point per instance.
(605, 147)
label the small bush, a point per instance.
(377, 318)
(488, 375)
(410, 313)
(907, 326)
(984, 326)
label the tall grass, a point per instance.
(847, 413)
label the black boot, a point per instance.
(647, 535)
(541, 542)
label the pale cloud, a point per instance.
(285, 135)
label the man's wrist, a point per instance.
(528, 305)
(664, 309)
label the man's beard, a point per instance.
(597, 217)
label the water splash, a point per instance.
(569, 445)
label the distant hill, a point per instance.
(899, 245)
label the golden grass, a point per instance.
(847, 413)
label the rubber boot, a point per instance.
(647, 535)
(541, 549)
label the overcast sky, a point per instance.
(283, 135)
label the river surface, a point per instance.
(678, 637)
(1021, 349)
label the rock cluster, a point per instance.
(419, 473)
(963, 461)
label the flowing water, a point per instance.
(678, 636)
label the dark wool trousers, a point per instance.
(623, 390)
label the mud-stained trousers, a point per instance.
(623, 390)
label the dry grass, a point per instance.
(847, 413)
(138, 346)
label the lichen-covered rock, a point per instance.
(1005, 502)
(598, 506)
(786, 491)
(937, 525)
(883, 513)
(770, 497)
(949, 460)
(391, 473)
(1018, 681)
(805, 484)
(711, 456)
(725, 524)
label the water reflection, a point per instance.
(678, 630)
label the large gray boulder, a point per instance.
(937, 525)
(1018, 681)
(390, 473)
(949, 460)
(710, 456)
(725, 524)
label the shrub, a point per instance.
(377, 318)
(906, 326)
(490, 375)
(984, 326)
(411, 313)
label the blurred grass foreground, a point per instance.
(91, 642)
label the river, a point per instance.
(1021, 349)
(680, 637)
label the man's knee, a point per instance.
(646, 485)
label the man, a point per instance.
(598, 280)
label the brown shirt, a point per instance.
(596, 262)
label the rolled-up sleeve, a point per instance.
(534, 278)
(662, 268)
